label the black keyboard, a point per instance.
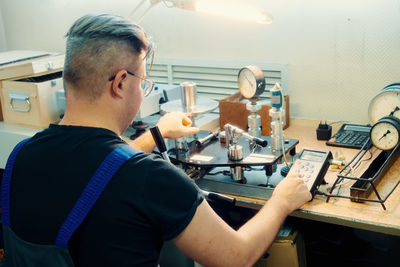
(350, 136)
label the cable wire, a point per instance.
(281, 127)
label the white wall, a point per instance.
(2, 34)
(340, 52)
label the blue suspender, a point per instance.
(6, 183)
(93, 190)
(88, 198)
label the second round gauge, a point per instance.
(385, 134)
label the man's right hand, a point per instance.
(176, 125)
(216, 242)
(292, 193)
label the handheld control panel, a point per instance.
(312, 166)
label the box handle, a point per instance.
(50, 65)
(19, 98)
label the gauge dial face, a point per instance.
(251, 81)
(385, 135)
(386, 103)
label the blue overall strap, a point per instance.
(6, 183)
(92, 192)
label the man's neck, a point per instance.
(81, 113)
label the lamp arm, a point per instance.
(260, 16)
(136, 8)
(144, 14)
(152, 4)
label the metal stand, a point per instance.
(276, 129)
(368, 183)
(254, 120)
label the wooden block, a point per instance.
(233, 111)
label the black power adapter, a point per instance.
(324, 131)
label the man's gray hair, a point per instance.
(97, 47)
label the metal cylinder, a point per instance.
(235, 152)
(237, 173)
(276, 134)
(254, 120)
(276, 130)
(254, 123)
(188, 91)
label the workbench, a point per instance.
(368, 216)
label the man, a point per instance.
(148, 201)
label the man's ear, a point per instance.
(118, 84)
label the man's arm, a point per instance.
(211, 242)
(172, 125)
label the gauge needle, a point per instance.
(396, 109)
(249, 81)
(388, 132)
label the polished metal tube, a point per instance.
(188, 91)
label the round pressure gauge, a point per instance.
(385, 134)
(385, 103)
(251, 81)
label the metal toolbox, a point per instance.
(28, 91)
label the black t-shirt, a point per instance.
(147, 201)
